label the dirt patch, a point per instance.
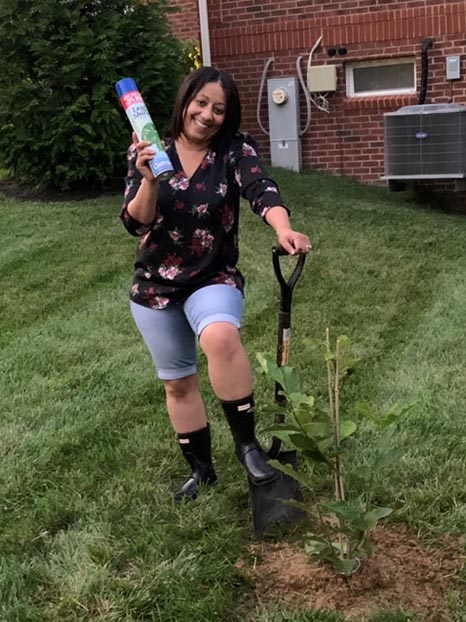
(402, 574)
(20, 192)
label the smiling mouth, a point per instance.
(201, 124)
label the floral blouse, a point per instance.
(193, 240)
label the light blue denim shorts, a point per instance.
(171, 333)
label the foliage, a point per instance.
(193, 52)
(320, 436)
(61, 123)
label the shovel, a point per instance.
(268, 501)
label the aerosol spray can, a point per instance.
(141, 122)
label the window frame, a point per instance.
(404, 60)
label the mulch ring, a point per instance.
(403, 574)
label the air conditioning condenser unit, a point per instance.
(426, 141)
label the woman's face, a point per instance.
(205, 114)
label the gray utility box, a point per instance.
(425, 142)
(284, 118)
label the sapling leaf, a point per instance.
(346, 566)
(303, 442)
(388, 458)
(301, 398)
(345, 510)
(272, 410)
(325, 444)
(285, 375)
(370, 520)
(384, 420)
(354, 518)
(282, 427)
(341, 546)
(303, 416)
(347, 428)
(344, 343)
(318, 429)
(308, 447)
(382, 512)
(346, 359)
(316, 456)
(366, 548)
(394, 415)
(365, 410)
(387, 420)
(283, 435)
(263, 360)
(287, 469)
(291, 382)
(298, 504)
(270, 368)
(317, 548)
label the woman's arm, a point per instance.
(143, 206)
(263, 195)
(292, 241)
(140, 202)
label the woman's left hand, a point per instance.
(293, 242)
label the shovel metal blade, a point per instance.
(268, 500)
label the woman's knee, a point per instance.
(220, 339)
(181, 388)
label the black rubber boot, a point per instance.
(240, 417)
(196, 448)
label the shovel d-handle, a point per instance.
(286, 286)
(284, 328)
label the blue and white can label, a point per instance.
(141, 122)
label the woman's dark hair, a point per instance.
(191, 86)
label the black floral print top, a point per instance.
(193, 240)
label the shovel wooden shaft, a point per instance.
(283, 354)
(283, 349)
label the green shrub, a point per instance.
(61, 125)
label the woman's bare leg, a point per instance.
(185, 405)
(228, 364)
(231, 379)
(188, 417)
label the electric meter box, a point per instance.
(284, 118)
(322, 79)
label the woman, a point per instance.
(187, 286)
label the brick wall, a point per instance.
(349, 139)
(185, 23)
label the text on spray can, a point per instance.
(141, 122)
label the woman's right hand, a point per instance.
(144, 156)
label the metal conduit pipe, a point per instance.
(205, 35)
(259, 97)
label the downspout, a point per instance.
(205, 37)
(427, 43)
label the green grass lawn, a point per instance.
(88, 462)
